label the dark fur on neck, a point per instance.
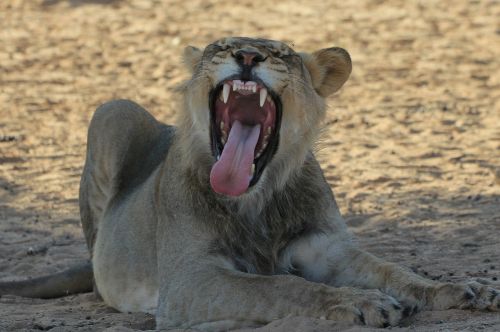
(255, 237)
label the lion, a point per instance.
(226, 221)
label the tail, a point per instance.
(77, 279)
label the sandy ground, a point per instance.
(411, 146)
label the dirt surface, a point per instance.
(411, 144)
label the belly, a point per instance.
(128, 295)
(124, 260)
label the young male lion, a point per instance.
(226, 221)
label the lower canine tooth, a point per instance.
(225, 92)
(252, 170)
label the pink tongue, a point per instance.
(230, 175)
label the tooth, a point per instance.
(258, 154)
(223, 141)
(253, 169)
(225, 92)
(218, 156)
(237, 85)
(269, 130)
(264, 146)
(269, 99)
(263, 95)
(254, 88)
(222, 125)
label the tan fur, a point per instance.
(163, 242)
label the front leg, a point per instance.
(335, 260)
(208, 294)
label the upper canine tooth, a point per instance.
(225, 92)
(263, 95)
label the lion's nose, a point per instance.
(248, 58)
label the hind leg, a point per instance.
(120, 132)
(124, 144)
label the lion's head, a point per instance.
(254, 107)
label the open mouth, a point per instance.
(245, 123)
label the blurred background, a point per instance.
(411, 144)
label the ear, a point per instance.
(329, 69)
(192, 57)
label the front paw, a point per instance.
(367, 307)
(471, 295)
